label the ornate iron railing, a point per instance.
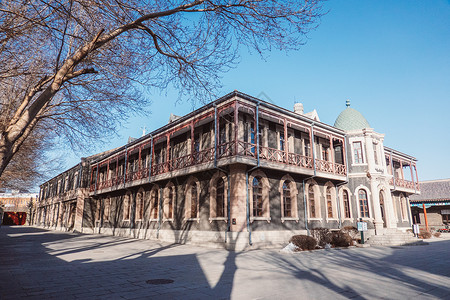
(246, 149)
(226, 150)
(324, 166)
(404, 183)
(340, 169)
(300, 160)
(273, 155)
(203, 156)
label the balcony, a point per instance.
(404, 185)
(244, 150)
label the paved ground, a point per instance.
(41, 264)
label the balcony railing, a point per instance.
(226, 150)
(273, 155)
(404, 183)
(324, 166)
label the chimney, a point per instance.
(298, 108)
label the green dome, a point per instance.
(351, 119)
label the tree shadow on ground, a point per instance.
(47, 264)
(382, 264)
(38, 272)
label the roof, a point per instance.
(214, 103)
(313, 115)
(351, 119)
(433, 190)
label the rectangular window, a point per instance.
(261, 135)
(325, 153)
(197, 142)
(357, 153)
(307, 148)
(281, 141)
(375, 153)
(338, 155)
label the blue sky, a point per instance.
(390, 58)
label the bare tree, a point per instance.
(80, 66)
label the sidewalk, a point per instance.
(42, 264)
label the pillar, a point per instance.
(238, 198)
(378, 220)
(425, 216)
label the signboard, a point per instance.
(362, 226)
(416, 229)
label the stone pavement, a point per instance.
(41, 264)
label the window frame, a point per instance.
(139, 209)
(358, 155)
(213, 194)
(169, 202)
(364, 210)
(188, 199)
(346, 204)
(265, 196)
(154, 204)
(288, 181)
(126, 207)
(329, 200)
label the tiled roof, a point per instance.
(432, 191)
(351, 119)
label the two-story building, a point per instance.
(240, 172)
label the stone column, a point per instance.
(378, 220)
(389, 208)
(79, 211)
(238, 198)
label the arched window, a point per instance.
(257, 197)
(363, 204)
(194, 200)
(311, 201)
(382, 204)
(346, 204)
(329, 203)
(97, 210)
(139, 206)
(154, 204)
(126, 208)
(287, 200)
(220, 198)
(106, 210)
(170, 202)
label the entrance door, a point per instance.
(383, 213)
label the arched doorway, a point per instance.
(383, 212)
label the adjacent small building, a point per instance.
(431, 208)
(238, 173)
(17, 207)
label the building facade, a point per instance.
(431, 208)
(17, 208)
(238, 173)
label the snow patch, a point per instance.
(290, 248)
